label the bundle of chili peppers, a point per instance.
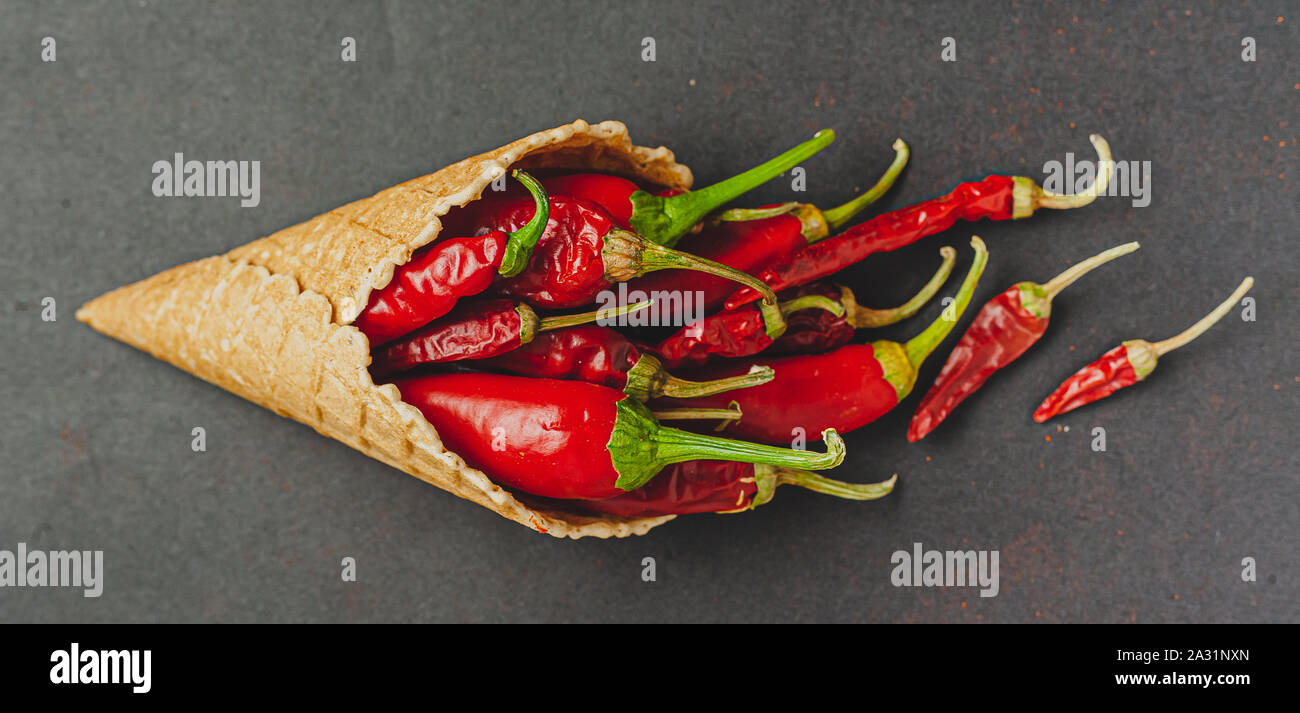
(475, 331)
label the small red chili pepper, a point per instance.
(723, 487)
(600, 355)
(1127, 364)
(581, 252)
(664, 219)
(734, 333)
(570, 440)
(477, 330)
(817, 330)
(844, 389)
(995, 198)
(751, 240)
(430, 283)
(1006, 327)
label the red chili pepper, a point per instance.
(566, 439)
(817, 330)
(844, 389)
(430, 283)
(723, 487)
(664, 219)
(1003, 330)
(734, 333)
(600, 355)
(1127, 364)
(751, 240)
(581, 252)
(995, 198)
(477, 330)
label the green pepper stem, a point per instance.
(519, 246)
(1196, 330)
(741, 215)
(811, 302)
(1067, 278)
(840, 215)
(920, 346)
(676, 446)
(639, 447)
(547, 324)
(686, 389)
(1028, 196)
(768, 478)
(867, 318)
(774, 314)
(664, 220)
(700, 414)
(657, 257)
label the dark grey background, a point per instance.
(1201, 468)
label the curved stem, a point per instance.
(840, 215)
(1067, 278)
(811, 302)
(547, 324)
(920, 346)
(665, 219)
(838, 488)
(686, 389)
(740, 215)
(700, 414)
(519, 247)
(1105, 167)
(1196, 330)
(658, 257)
(864, 317)
(676, 446)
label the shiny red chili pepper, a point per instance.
(751, 240)
(844, 389)
(733, 333)
(434, 279)
(1127, 364)
(817, 330)
(571, 440)
(723, 487)
(581, 252)
(664, 219)
(1003, 329)
(600, 355)
(995, 198)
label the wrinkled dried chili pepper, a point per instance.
(751, 240)
(843, 389)
(994, 198)
(1126, 364)
(580, 253)
(1006, 327)
(571, 440)
(732, 334)
(723, 487)
(434, 279)
(477, 330)
(664, 219)
(818, 330)
(600, 355)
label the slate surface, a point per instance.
(1200, 469)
